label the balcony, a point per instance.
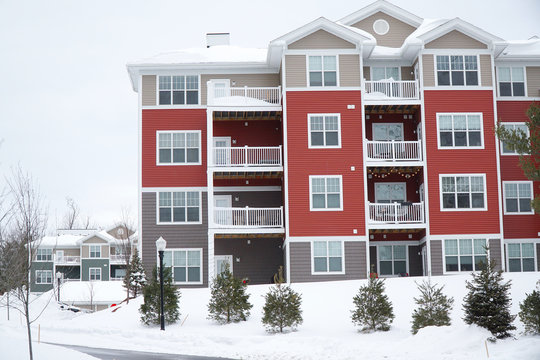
(404, 213)
(117, 259)
(221, 95)
(382, 91)
(392, 151)
(248, 218)
(247, 157)
(67, 260)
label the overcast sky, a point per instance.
(68, 114)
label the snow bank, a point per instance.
(103, 291)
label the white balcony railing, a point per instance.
(396, 213)
(243, 96)
(248, 217)
(247, 156)
(394, 150)
(117, 258)
(391, 89)
(67, 260)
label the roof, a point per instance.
(386, 7)
(521, 49)
(65, 239)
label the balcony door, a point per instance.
(222, 151)
(390, 192)
(387, 131)
(223, 216)
(60, 256)
(221, 88)
(221, 262)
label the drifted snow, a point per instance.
(239, 101)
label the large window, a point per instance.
(179, 90)
(457, 70)
(511, 81)
(392, 259)
(94, 274)
(179, 207)
(185, 264)
(324, 131)
(43, 276)
(518, 196)
(460, 130)
(327, 257)
(44, 255)
(179, 147)
(520, 127)
(323, 70)
(384, 73)
(325, 193)
(95, 251)
(462, 192)
(465, 254)
(520, 257)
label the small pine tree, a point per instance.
(433, 307)
(487, 303)
(282, 306)
(135, 276)
(229, 301)
(530, 312)
(150, 309)
(373, 309)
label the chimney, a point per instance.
(213, 39)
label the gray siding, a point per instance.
(428, 69)
(259, 260)
(436, 257)
(455, 40)
(40, 265)
(373, 259)
(355, 262)
(86, 264)
(295, 70)
(349, 70)
(485, 70)
(177, 236)
(415, 260)
(407, 73)
(396, 35)
(495, 252)
(240, 80)
(533, 81)
(321, 39)
(148, 96)
(254, 199)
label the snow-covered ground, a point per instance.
(327, 331)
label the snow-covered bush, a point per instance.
(151, 292)
(530, 312)
(433, 307)
(373, 311)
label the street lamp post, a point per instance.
(58, 277)
(161, 244)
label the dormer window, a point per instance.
(323, 70)
(457, 70)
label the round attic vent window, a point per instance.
(381, 27)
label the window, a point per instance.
(44, 255)
(465, 254)
(179, 90)
(323, 70)
(43, 276)
(383, 73)
(460, 130)
(518, 196)
(94, 274)
(392, 259)
(457, 70)
(327, 257)
(505, 149)
(179, 147)
(324, 131)
(326, 193)
(511, 81)
(179, 207)
(95, 251)
(460, 192)
(185, 264)
(520, 257)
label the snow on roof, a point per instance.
(426, 26)
(239, 101)
(101, 291)
(64, 240)
(213, 54)
(522, 48)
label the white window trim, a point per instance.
(440, 147)
(520, 242)
(42, 249)
(178, 223)
(485, 208)
(511, 82)
(322, 55)
(458, 87)
(200, 262)
(501, 142)
(504, 197)
(90, 251)
(462, 237)
(176, 106)
(342, 272)
(198, 132)
(338, 146)
(90, 274)
(39, 277)
(340, 192)
(379, 259)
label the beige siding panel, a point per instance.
(436, 257)
(533, 81)
(240, 80)
(367, 73)
(485, 70)
(149, 90)
(349, 70)
(321, 39)
(70, 252)
(428, 69)
(85, 252)
(455, 40)
(295, 70)
(407, 73)
(105, 251)
(396, 35)
(95, 240)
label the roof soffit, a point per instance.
(463, 27)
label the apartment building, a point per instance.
(344, 147)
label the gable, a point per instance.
(321, 39)
(455, 40)
(115, 234)
(95, 240)
(397, 32)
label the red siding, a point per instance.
(304, 162)
(171, 119)
(257, 133)
(448, 161)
